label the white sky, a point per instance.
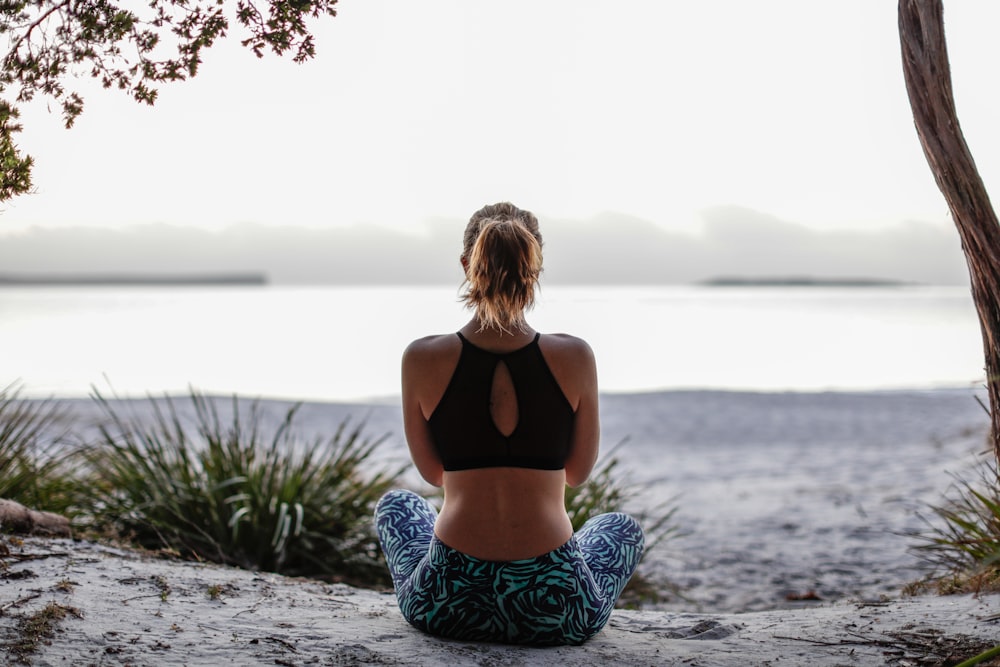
(414, 111)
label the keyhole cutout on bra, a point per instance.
(503, 400)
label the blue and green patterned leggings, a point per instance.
(562, 597)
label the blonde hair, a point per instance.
(503, 253)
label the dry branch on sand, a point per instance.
(16, 518)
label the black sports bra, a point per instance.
(465, 435)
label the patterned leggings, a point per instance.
(562, 597)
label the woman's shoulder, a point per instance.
(562, 343)
(572, 363)
(428, 363)
(563, 351)
(432, 347)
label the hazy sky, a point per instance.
(691, 118)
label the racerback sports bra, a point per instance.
(465, 435)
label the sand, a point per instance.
(122, 607)
(825, 489)
(779, 495)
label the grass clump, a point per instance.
(34, 468)
(191, 483)
(223, 491)
(963, 544)
(607, 490)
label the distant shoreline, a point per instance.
(800, 281)
(141, 279)
(260, 279)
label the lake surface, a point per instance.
(344, 343)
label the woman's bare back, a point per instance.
(500, 513)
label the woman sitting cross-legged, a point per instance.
(503, 418)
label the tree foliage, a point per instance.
(130, 46)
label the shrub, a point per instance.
(963, 544)
(606, 490)
(228, 494)
(34, 461)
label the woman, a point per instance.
(503, 418)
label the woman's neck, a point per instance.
(494, 339)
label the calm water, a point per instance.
(344, 343)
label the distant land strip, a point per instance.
(800, 281)
(90, 279)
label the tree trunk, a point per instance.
(928, 84)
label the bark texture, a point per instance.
(928, 84)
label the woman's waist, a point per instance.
(513, 498)
(441, 552)
(492, 535)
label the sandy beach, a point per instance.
(112, 606)
(794, 508)
(778, 495)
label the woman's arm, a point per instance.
(579, 369)
(418, 434)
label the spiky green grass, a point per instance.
(226, 491)
(609, 490)
(962, 539)
(35, 469)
